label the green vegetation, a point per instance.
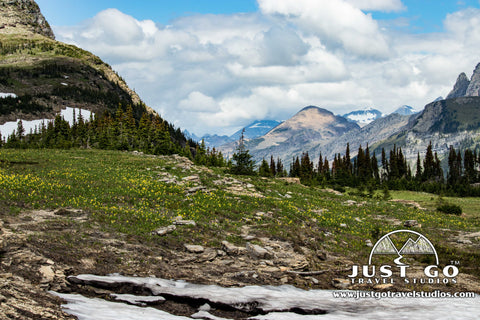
(123, 192)
(450, 209)
(393, 172)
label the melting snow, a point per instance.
(7, 128)
(7, 95)
(270, 299)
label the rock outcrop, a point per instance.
(473, 89)
(23, 15)
(460, 87)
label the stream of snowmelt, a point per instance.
(274, 301)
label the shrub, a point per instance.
(450, 209)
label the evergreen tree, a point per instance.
(273, 169)
(418, 173)
(264, 169)
(242, 160)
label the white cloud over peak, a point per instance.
(217, 73)
(335, 22)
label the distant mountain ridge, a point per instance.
(253, 130)
(405, 110)
(301, 132)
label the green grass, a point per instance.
(470, 206)
(121, 192)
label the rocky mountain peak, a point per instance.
(460, 87)
(473, 89)
(23, 17)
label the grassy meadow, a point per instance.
(123, 192)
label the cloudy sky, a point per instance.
(213, 66)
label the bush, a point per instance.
(450, 209)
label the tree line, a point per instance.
(119, 131)
(393, 171)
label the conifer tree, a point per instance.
(242, 160)
(264, 169)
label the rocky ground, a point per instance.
(40, 249)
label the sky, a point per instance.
(213, 66)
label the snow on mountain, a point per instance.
(256, 129)
(363, 117)
(405, 110)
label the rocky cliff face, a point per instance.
(460, 87)
(473, 89)
(466, 88)
(23, 16)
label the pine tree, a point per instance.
(243, 163)
(264, 169)
(273, 169)
(418, 173)
(20, 130)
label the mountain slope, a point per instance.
(310, 127)
(370, 134)
(48, 75)
(256, 129)
(405, 110)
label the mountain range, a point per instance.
(454, 121)
(253, 130)
(40, 76)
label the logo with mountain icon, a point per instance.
(403, 243)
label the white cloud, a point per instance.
(216, 73)
(335, 22)
(378, 5)
(198, 102)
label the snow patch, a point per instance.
(98, 309)
(7, 128)
(276, 302)
(7, 95)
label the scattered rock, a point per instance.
(368, 243)
(258, 252)
(193, 248)
(194, 178)
(47, 274)
(67, 212)
(209, 255)
(340, 283)
(322, 255)
(411, 223)
(358, 219)
(335, 192)
(343, 225)
(180, 222)
(232, 249)
(290, 180)
(196, 189)
(464, 241)
(383, 286)
(164, 230)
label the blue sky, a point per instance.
(68, 12)
(423, 15)
(215, 66)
